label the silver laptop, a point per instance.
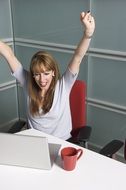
(27, 151)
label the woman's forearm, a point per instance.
(8, 54)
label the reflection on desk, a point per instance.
(93, 172)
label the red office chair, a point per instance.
(80, 132)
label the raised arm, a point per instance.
(8, 54)
(89, 23)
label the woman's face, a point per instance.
(44, 79)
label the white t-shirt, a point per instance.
(57, 121)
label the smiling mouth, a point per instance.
(43, 84)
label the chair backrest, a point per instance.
(78, 105)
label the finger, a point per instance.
(88, 13)
(88, 17)
(82, 15)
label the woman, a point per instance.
(47, 94)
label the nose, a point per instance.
(42, 77)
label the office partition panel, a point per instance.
(5, 74)
(107, 79)
(8, 107)
(5, 19)
(50, 21)
(110, 28)
(107, 124)
(8, 95)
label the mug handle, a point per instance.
(79, 153)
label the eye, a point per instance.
(36, 74)
(46, 73)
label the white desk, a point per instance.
(93, 172)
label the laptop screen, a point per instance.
(27, 151)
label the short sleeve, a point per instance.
(21, 75)
(69, 78)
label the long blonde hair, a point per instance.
(39, 60)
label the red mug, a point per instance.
(69, 156)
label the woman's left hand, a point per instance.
(88, 21)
